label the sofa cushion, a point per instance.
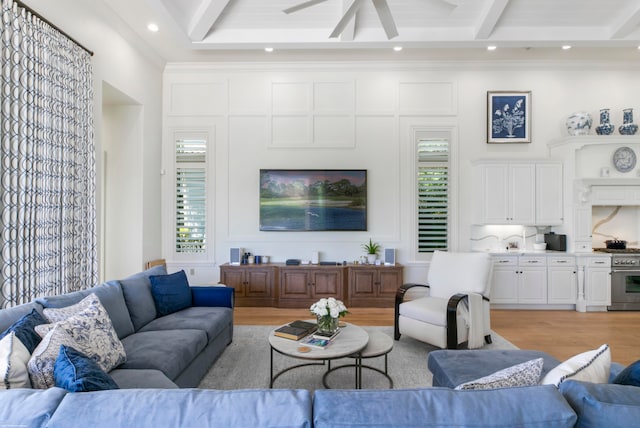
(76, 372)
(528, 406)
(13, 363)
(590, 366)
(170, 351)
(24, 328)
(523, 374)
(602, 405)
(210, 320)
(137, 294)
(141, 378)
(431, 310)
(10, 315)
(453, 367)
(629, 375)
(185, 408)
(29, 407)
(111, 297)
(171, 293)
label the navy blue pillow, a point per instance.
(171, 293)
(24, 329)
(76, 372)
(629, 376)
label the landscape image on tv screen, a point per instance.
(312, 200)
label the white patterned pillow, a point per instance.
(61, 314)
(13, 363)
(89, 331)
(591, 366)
(523, 374)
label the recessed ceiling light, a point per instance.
(397, 48)
(268, 49)
(153, 27)
(492, 48)
(566, 47)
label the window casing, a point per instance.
(433, 184)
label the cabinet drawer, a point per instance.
(561, 261)
(599, 262)
(532, 261)
(505, 261)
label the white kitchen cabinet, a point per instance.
(527, 193)
(505, 278)
(598, 281)
(519, 280)
(549, 194)
(532, 280)
(562, 281)
(508, 194)
(582, 229)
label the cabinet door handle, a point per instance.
(561, 261)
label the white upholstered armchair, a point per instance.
(456, 309)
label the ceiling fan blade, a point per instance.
(348, 16)
(303, 5)
(386, 19)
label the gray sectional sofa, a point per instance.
(168, 355)
(172, 351)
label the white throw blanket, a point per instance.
(474, 318)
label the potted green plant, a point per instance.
(372, 249)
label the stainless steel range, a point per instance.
(625, 279)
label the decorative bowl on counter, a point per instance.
(540, 246)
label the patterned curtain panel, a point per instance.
(47, 161)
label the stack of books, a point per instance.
(296, 330)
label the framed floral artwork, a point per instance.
(508, 117)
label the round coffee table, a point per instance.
(351, 340)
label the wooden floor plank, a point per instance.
(559, 333)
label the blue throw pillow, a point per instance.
(171, 293)
(76, 372)
(24, 329)
(629, 376)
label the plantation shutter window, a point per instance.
(191, 196)
(433, 194)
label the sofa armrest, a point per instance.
(213, 296)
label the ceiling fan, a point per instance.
(382, 8)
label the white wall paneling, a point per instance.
(428, 98)
(365, 115)
(198, 99)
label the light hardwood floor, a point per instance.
(559, 333)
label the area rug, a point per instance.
(245, 364)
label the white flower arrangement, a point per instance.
(329, 307)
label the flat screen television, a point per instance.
(313, 199)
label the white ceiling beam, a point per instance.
(489, 18)
(626, 22)
(204, 17)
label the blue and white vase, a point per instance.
(579, 123)
(605, 127)
(627, 127)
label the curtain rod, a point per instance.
(33, 12)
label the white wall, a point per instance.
(264, 116)
(123, 64)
